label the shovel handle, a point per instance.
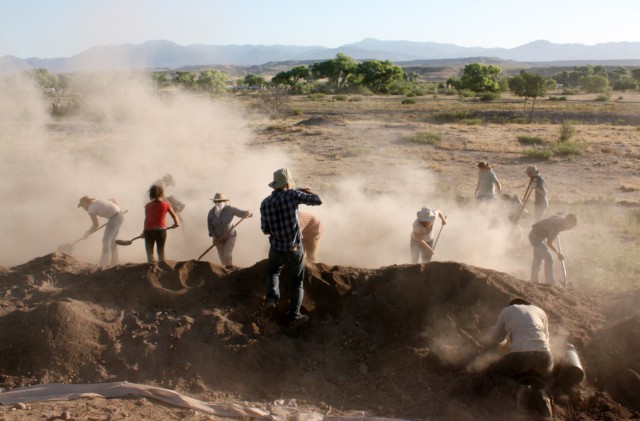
(215, 243)
(525, 198)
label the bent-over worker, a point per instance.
(110, 210)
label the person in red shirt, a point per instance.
(155, 225)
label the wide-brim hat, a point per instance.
(220, 197)
(85, 199)
(426, 215)
(531, 170)
(281, 178)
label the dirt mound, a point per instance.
(392, 341)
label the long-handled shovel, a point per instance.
(68, 248)
(128, 242)
(527, 193)
(564, 267)
(223, 236)
(438, 237)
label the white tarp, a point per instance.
(59, 391)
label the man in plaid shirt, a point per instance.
(279, 219)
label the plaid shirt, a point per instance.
(279, 217)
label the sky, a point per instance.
(63, 28)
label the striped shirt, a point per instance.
(279, 217)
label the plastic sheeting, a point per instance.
(281, 410)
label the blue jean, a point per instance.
(294, 259)
(541, 253)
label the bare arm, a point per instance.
(94, 226)
(423, 244)
(176, 220)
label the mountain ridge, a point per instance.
(165, 54)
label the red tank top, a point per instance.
(156, 213)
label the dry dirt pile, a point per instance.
(392, 341)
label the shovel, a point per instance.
(564, 268)
(438, 237)
(68, 248)
(221, 238)
(527, 193)
(128, 242)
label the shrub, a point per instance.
(568, 148)
(569, 91)
(471, 121)
(408, 101)
(567, 130)
(356, 98)
(296, 111)
(340, 97)
(488, 96)
(557, 98)
(425, 138)
(603, 97)
(539, 153)
(450, 117)
(316, 96)
(530, 140)
(466, 93)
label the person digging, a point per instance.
(541, 237)
(523, 372)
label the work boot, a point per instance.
(522, 399)
(298, 321)
(541, 401)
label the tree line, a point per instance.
(343, 74)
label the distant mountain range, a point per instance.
(157, 55)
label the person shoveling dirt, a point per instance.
(110, 210)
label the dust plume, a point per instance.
(125, 138)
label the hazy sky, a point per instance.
(62, 28)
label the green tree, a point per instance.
(185, 79)
(212, 81)
(160, 79)
(620, 79)
(291, 77)
(635, 74)
(594, 83)
(480, 78)
(253, 80)
(337, 71)
(529, 86)
(46, 79)
(378, 75)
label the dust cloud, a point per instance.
(127, 136)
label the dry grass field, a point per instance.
(374, 160)
(375, 137)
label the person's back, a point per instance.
(548, 227)
(526, 328)
(279, 213)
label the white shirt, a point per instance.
(103, 208)
(524, 326)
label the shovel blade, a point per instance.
(124, 242)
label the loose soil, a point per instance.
(389, 342)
